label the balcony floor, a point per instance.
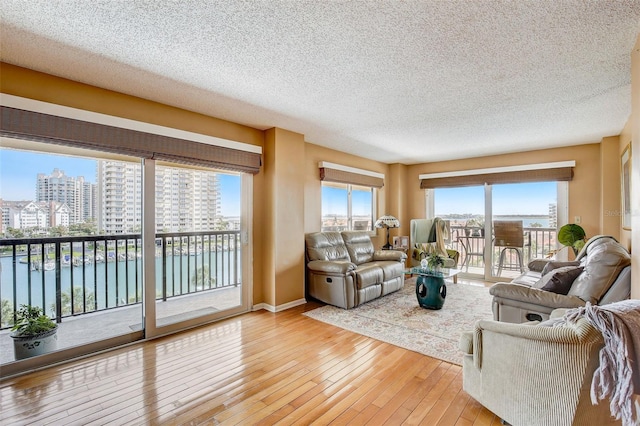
(101, 325)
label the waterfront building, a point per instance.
(24, 215)
(75, 192)
(553, 215)
(186, 199)
(119, 195)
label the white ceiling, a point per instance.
(394, 81)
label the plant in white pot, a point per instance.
(34, 333)
(435, 262)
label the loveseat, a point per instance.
(345, 270)
(600, 274)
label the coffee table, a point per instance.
(431, 289)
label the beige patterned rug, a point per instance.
(397, 319)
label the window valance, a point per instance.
(545, 172)
(40, 127)
(330, 172)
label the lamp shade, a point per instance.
(387, 221)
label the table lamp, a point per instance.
(387, 221)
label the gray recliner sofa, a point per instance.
(604, 277)
(345, 270)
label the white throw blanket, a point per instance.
(619, 371)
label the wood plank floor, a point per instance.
(260, 368)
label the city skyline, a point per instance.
(19, 170)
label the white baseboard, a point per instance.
(279, 308)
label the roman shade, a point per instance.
(39, 127)
(548, 172)
(341, 174)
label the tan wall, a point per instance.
(610, 194)
(312, 192)
(283, 246)
(584, 189)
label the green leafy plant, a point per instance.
(434, 260)
(32, 321)
(572, 235)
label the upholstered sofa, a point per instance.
(345, 270)
(535, 375)
(600, 274)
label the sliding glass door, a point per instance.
(82, 241)
(523, 221)
(464, 208)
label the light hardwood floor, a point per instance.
(259, 368)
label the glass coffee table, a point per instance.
(431, 289)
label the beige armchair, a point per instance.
(423, 239)
(533, 375)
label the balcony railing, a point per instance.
(538, 243)
(71, 276)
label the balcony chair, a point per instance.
(509, 235)
(425, 239)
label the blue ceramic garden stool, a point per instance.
(431, 289)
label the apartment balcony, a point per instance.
(538, 243)
(95, 282)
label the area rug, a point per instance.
(397, 319)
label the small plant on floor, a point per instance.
(31, 321)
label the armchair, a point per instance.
(428, 235)
(533, 375)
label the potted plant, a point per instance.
(572, 235)
(435, 261)
(34, 333)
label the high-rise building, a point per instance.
(119, 197)
(75, 192)
(553, 215)
(186, 199)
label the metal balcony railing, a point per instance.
(539, 242)
(71, 276)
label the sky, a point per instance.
(511, 199)
(18, 171)
(508, 199)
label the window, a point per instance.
(347, 207)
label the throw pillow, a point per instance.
(561, 282)
(547, 277)
(555, 264)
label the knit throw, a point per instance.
(619, 371)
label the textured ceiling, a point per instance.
(394, 81)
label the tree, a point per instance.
(65, 301)
(7, 313)
(14, 233)
(58, 231)
(88, 227)
(203, 278)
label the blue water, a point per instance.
(108, 280)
